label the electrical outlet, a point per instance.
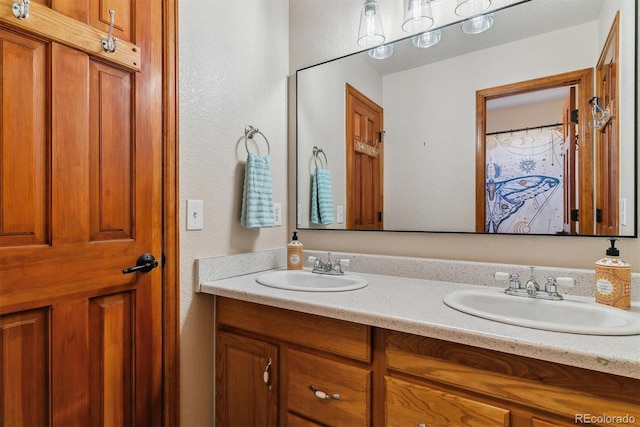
(195, 214)
(277, 214)
(340, 214)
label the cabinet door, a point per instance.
(411, 404)
(246, 381)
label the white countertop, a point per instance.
(415, 306)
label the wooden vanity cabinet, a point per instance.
(377, 377)
(312, 357)
(459, 385)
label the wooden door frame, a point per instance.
(170, 237)
(584, 80)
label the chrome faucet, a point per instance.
(328, 267)
(532, 286)
(531, 289)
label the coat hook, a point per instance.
(109, 42)
(21, 9)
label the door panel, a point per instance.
(23, 166)
(110, 154)
(99, 159)
(24, 368)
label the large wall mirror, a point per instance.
(480, 133)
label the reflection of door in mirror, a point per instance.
(364, 161)
(607, 141)
(526, 181)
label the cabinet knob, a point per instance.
(322, 395)
(265, 374)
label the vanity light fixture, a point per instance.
(418, 16)
(471, 7)
(599, 115)
(427, 39)
(381, 52)
(370, 33)
(478, 24)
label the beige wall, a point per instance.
(233, 72)
(313, 41)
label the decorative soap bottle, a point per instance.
(613, 279)
(294, 253)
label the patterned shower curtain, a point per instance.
(524, 193)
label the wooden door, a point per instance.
(80, 200)
(247, 381)
(607, 141)
(364, 154)
(569, 171)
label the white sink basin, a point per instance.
(573, 314)
(301, 280)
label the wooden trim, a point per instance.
(613, 200)
(43, 21)
(171, 241)
(584, 79)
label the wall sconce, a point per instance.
(418, 16)
(478, 24)
(599, 115)
(370, 33)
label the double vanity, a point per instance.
(393, 351)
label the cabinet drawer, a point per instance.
(335, 336)
(332, 377)
(410, 404)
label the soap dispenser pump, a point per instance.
(613, 279)
(294, 253)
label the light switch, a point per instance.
(195, 214)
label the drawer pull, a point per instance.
(265, 374)
(322, 395)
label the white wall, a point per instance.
(233, 72)
(440, 166)
(318, 34)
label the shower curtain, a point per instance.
(524, 171)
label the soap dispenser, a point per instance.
(294, 253)
(613, 279)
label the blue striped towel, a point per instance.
(257, 196)
(321, 197)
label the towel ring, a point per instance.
(316, 152)
(249, 133)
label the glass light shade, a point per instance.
(426, 40)
(418, 16)
(471, 7)
(478, 24)
(381, 52)
(370, 33)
